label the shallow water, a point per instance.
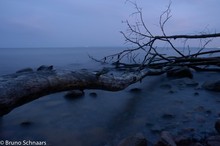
(162, 104)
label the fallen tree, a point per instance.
(22, 87)
(27, 85)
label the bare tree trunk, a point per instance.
(19, 88)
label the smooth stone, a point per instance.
(45, 68)
(93, 94)
(180, 72)
(212, 85)
(25, 123)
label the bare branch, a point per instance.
(146, 54)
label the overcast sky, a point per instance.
(74, 23)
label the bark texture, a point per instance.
(19, 88)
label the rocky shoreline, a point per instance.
(183, 77)
(167, 139)
(175, 100)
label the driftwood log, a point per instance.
(22, 87)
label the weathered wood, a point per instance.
(19, 88)
(200, 36)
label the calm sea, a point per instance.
(12, 59)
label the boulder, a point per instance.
(180, 72)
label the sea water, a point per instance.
(109, 117)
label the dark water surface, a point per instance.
(106, 119)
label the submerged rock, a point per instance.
(217, 126)
(168, 116)
(93, 94)
(135, 90)
(212, 85)
(45, 68)
(156, 129)
(200, 109)
(25, 123)
(165, 86)
(180, 72)
(196, 93)
(74, 94)
(28, 69)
